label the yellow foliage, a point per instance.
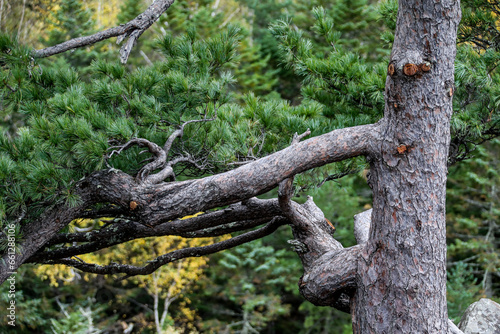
(55, 273)
(168, 282)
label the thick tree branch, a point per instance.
(317, 249)
(131, 30)
(332, 278)
(154, 204)
(260, 176)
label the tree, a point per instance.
(393, 281)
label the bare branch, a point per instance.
(131, 30)
(154, 149)
(153, 265)
(237, 217)
(180, 132)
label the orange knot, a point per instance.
(410, 69)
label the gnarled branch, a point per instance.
(130, 270)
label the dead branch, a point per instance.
(153, 265)
(154, 149)
(131, 30)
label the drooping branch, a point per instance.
(317, 249)
(237, 217)
(131, 30)
(130, 270)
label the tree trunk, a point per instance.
(402, 269)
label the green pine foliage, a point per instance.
(60, 123)
(462, 290)
(71, 124)
(253, 73)
(249, 281)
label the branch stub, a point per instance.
(391, 69)
(410, 69)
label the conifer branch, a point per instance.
(154, 149)
(131, 30)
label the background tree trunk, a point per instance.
(402, 270)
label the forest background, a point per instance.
(253, 288)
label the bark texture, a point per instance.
(393, 281)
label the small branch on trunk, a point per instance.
(362, 222)
(131, 30)
(129, 270)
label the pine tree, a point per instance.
(79, 156)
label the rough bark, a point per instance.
(394, 280)
(397, 278)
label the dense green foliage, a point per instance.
(320, 68)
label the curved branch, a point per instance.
(159, 161)
(153, 265)
(332, 278)
(131, 30)
(153, 204)
(259, 176)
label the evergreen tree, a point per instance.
(78, 155)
